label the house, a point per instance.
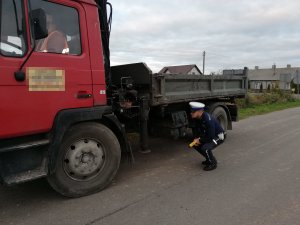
(264, 79)
(235, 72)
(184, 69)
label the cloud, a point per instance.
(234, 33)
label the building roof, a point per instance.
(184, 69)
(272, 74)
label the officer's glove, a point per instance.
(221, 136)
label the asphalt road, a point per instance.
(257, 182)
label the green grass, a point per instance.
(266, 108)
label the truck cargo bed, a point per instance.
(165, 89)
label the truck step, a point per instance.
(24, 146)
(27, 175)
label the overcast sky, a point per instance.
(234, 33)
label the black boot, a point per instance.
(205, 163)
(211, 166)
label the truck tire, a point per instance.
(220, 114)
(87, 161)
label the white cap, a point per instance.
(196, 106)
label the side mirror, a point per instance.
(39, 23)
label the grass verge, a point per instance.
(266, 108)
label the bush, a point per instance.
(279, 96)
(241, 103)
(275, 96)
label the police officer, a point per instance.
(208, 134)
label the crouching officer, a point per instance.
(208, 134)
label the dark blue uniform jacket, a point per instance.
(207, 128)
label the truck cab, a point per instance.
(51, 80)
(55, 117)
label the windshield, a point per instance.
(12, 30)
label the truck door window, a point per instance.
(12, 29)
(63, 29)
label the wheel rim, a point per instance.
(84, 159)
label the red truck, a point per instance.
(65, 111)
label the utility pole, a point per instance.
(203, 62)
(297, 75)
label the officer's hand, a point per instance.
(197, 141)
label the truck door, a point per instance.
(57, 74)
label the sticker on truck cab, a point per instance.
(45, 79)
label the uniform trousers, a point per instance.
(205, 149)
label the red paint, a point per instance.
(23, 112)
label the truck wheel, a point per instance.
(87, 161)
(220, 114)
